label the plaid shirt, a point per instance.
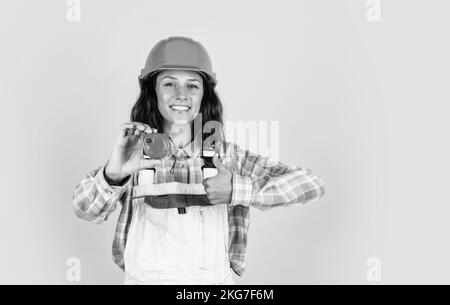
(257, 182)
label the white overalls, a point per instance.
(165, 247)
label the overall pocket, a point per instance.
(156, 239)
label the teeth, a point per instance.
(179, 108)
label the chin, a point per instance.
(181, 122)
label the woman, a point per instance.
(189, 242)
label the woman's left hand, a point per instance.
(219, 188)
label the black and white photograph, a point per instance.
(231, 143)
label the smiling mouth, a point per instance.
(181, 108)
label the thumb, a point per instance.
(218, 164)
(148, 163)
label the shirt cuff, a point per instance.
(106, 187)
(242, 190)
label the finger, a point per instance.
(206, 183)
(124, 128)
(213, 199)
(219, 147)
(140, 128)
(212, 196)
(218, 164)
(146, 128)
(130, 130)
(137, 131)
(149, 129)
(125, 125)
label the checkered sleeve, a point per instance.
(263, 183)
(94, 199)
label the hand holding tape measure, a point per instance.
(127, 157)
(139, 146)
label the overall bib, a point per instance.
(165, 247)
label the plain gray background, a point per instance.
(363, 104)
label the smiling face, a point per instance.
(179, 94)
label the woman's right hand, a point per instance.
(127, 157)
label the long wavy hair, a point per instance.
(145, 110)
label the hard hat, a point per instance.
(181, 53)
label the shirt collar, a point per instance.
(192, 149)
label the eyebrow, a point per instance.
(191, 79)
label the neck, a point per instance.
(180, 134)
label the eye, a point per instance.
(192, 86)
(169, 84)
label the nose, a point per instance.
(180, 93)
